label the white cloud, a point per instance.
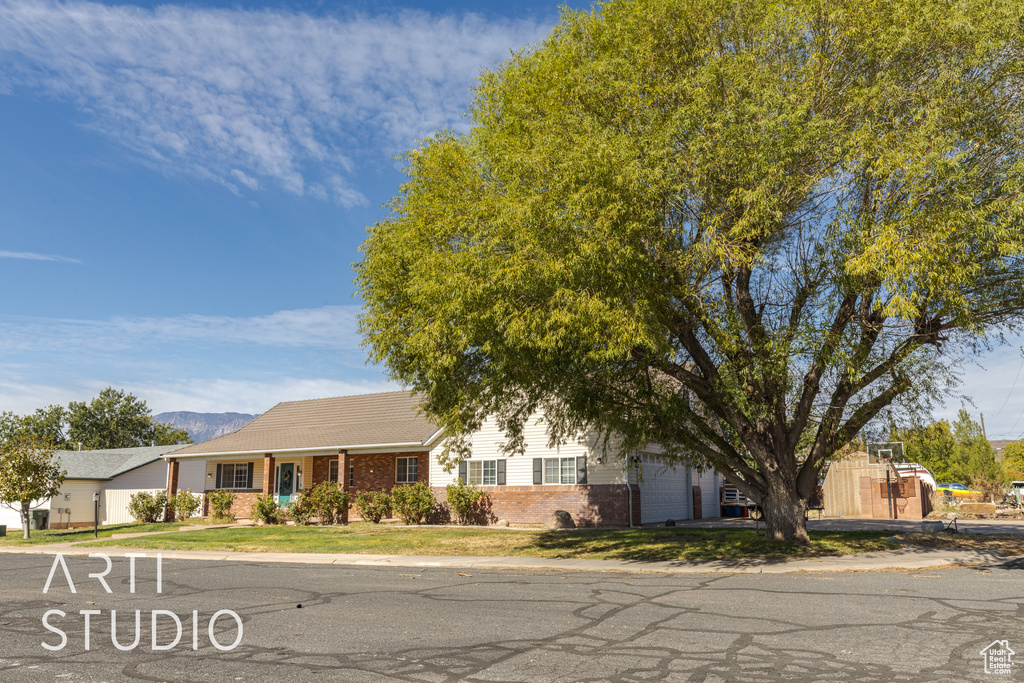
(329, 327)
(243, 97)
(243, 396)
(213, 395)
(29, 256)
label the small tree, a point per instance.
(29, 475)
(412, 503)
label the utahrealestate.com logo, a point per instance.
(998, 657)
(53, 619)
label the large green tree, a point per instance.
(116, 419)
(740, 229)
(960, 453)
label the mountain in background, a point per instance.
(205, 426)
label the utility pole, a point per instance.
(983, 432)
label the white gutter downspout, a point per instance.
(629, 493)
(689, 492)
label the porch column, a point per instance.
(268, 474)
(172, 484)
(172, 477)
(343, 478)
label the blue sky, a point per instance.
(184, 189)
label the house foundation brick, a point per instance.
(589, 505)
(241, 506)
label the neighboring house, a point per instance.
(114, 473)
(378, 441)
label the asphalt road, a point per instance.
(397, 624)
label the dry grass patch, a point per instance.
(1008, 544)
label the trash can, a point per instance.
(3, 529)
(39, 519)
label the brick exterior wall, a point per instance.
(322, 467)
(376, 471)
(589, 505)
(241, 506)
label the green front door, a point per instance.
(286, 485)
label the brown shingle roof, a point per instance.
(340, 422)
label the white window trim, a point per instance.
(414, 458)
(483, 464)
(234, 466)
(559, 460)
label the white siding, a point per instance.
(519, 469)
(192, 475)
(76, 495)
(151, 476)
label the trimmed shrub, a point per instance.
(302, 509)
(185, 504)
(374, 505)
(147, 507)
(265, 510)
(329, 502)
(412, 503)
(466, 502)
(220, 503)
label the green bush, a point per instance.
(185, 504)
(374, 505)
(147, 507)
(300, 509)
(412, 503)
(265, 510)
(465, 502)
(329, 502)
(220, 503)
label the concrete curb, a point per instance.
(906, 559)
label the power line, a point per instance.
(1012, 387)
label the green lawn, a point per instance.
(623, 544)
(43, 536)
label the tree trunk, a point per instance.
(25, 514)
(785, 515)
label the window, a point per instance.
(352, 475)
(332, 474)
(482, 472)
(406, 470)
(234, 475)
(559, 470)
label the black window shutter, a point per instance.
(462, 471)
(248, 480)
(218, 476)
(501, 472)
(538, 471)
(581, 469)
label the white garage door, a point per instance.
(662, 492)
